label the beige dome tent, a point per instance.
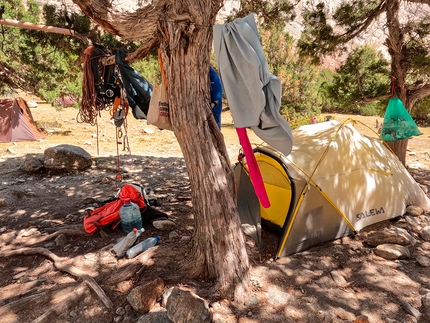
(16, 121)
(334, 183)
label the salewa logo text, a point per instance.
(371, 212)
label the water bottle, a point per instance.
(141, 247)
(130, 216)
(125, 243)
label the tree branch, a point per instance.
(45, 28)
(357, 29)
(140, 25)
(137, 55)
(417, 94)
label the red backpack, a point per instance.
(108, 214)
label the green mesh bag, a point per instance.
(398, 124)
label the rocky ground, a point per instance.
(41, 216)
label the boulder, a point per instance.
(186, 307)
(143, 298)
(66, 158)
(392, 235)
(392, 251)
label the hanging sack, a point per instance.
(158, 113)
(398, 123)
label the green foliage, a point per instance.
(359, 83)
(112, 43)
(421, 111)
(270, 12)
(350, 18)
(64, 19)
(149, 68)
(298, 76)
(45, 63)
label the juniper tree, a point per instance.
(406, 27)
(182, 30)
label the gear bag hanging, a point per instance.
(398, 123)
(138, 89)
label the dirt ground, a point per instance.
(297, 288)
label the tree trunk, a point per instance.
(184, 29)
(399, 148)
(395, 44)
(218, 251)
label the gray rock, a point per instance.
(165, 297)
(143, 298)
(324, 264)
(414, 210)
(148, 130)
(390, 235)
(155, 317)
(425, 303)
(32, 164)
(120, 311)
(392, 251)
(414, 223)
(186, 307)
(61, 240)
(66, 158)
(338, 278)
(164, 225)
(425, 233)
(277, 297)
(252, 301)
(173, 235)
(411, 310)
(423, 261)
(117, 319)
(222, 313)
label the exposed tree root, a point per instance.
(67, 231)
(60, 265)
(73, 296)
(10, 170)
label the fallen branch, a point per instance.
(60, 265)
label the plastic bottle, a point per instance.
(125, 243)
(130, 216)
(141, 247)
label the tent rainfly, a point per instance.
(16, 121)
(334, 183)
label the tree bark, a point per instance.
(218, 251)
(395, 44)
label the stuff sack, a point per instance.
(398, 124)
(158, 113)
(108, 214)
